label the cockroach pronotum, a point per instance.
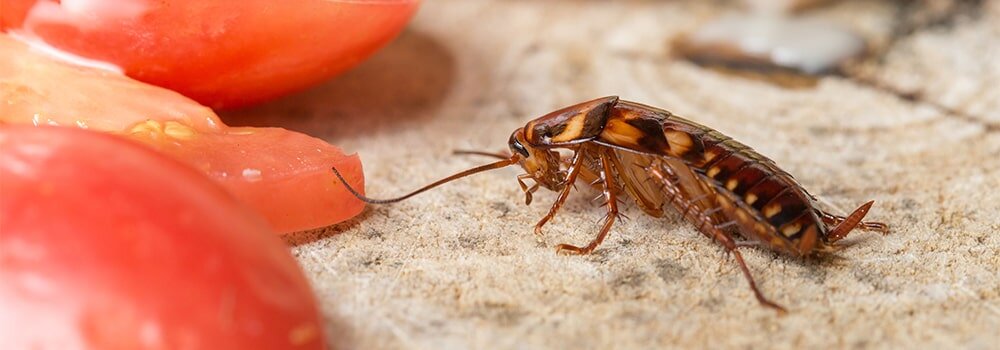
(661, 160)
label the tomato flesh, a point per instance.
(218, 52)
(283, 175)
(43, 91)
(108, 244)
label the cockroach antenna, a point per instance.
(487, 167)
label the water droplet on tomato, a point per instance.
(252, 174)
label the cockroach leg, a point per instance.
(834, 220)
(850, 222)
(528, 191)
(753, 285)
(573, 171)
(732, 247)
(690, 209)
(664, 161)
(528, 194)
(743, 244)
(609, 218)
(727, 224)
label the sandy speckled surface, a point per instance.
(459, 267)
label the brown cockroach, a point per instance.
(661, 160)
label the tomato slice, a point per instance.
(219, 52)
(283, 175)
(54, 93)
(110, 245)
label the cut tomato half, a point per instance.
(222, 53)
(283, 175)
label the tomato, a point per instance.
(221, 53)
(108, 244)
(283, 175)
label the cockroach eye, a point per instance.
(519, 148)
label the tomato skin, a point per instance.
(107, 244)
(288, 174)
(218, 52)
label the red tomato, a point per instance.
(284, 175)
(108, 244)
(219, 52)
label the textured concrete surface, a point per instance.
(459, 267)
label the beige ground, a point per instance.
(460, 268)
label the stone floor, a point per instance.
(459, 267)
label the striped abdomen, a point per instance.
(766, 203)
(761, 201)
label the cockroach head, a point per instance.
(542, 164)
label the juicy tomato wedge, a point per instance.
(221, 53)
(284, 175)
(281, 174)
(108, 244)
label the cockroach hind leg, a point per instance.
(753, 284)
(879, 227)
(730, 247)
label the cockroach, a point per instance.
(661, 160)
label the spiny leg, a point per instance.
(727, 242)
(717, 233)
(846, 224)
(689, 208)
(835, 220)
(571, 174)
(609, 218)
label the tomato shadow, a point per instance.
(340, 331)
(308, 236)
(402, 84)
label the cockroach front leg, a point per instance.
(528, 191)
(571, 173)
(609, 218)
